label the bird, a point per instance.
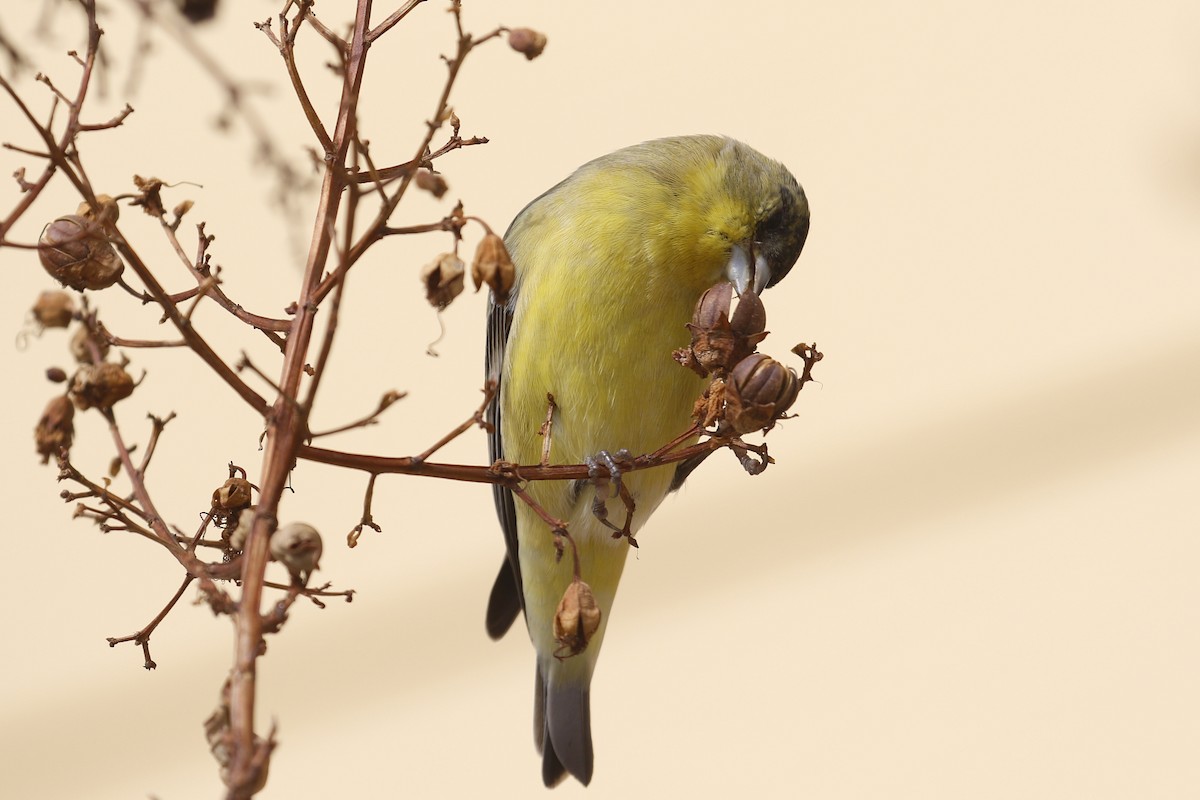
(609, 265)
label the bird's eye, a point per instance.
(782, 235)
(777, 222)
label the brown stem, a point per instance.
(547, 429)
(441, 113)
(285, 427)
(335, 307)
(207, 285)
(287, 49)
(328, 35)
(112, 123)
(501, 473)
(385, 174)
(393, 18)
(142, 637)
(194, 566)
(70, 130)
(68, 472)
(489, 392)
(313, 594)
(557, 527)
(366, 521)
(195, 341)
(157, 425)
(385, 402)
(120, 342)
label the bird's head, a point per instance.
(757, 217)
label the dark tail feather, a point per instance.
(562, 718)
(553, 771)
(504, 603)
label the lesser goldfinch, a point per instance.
(609, 266)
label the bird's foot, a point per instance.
(604, 472)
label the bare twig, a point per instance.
(287, 49)
(477, 418)
(393, 19)
(466, 43)
(558, 528)
(157, 425)
(547, 429)
(502, 473)
(142, 637)
(366, 521)
(385, 402)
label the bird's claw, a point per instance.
(604, 472)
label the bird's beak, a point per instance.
(747, 271)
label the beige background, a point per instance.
(973, 572)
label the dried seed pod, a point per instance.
(55, 430)
(443, 279)
(760, 390)
(709, 407)
(232, 495)
(492, 266)
(80, 348)
(713, 344)
(750, 317)
(712, 309)
(56, 374)
(241, 530)
(576, 619)
(54, 309)
(181, 208)
(717, 341)
(105, 214)
(100, 385)
(431, 182)
(298, 547)
(217, 734)
(149, 195)
(527, 42)
(74, 250)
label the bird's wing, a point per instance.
(507, 598)
(685, 468)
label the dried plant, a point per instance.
(227, 555)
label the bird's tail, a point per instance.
(504, 603)
(562, 722)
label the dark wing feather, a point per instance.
(507, 598)
(685, 468)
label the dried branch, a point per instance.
(385, 402)
(142, 637)
(501, 472)
(425, 161)
(466, 43)
(558, 529)
(366, 521)
(287, 49)
(477, 418)
(70, 128)
(208, 285)
(393, 19)
(285, 427)
(195, 341)
(157, 425)
(546, 431)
